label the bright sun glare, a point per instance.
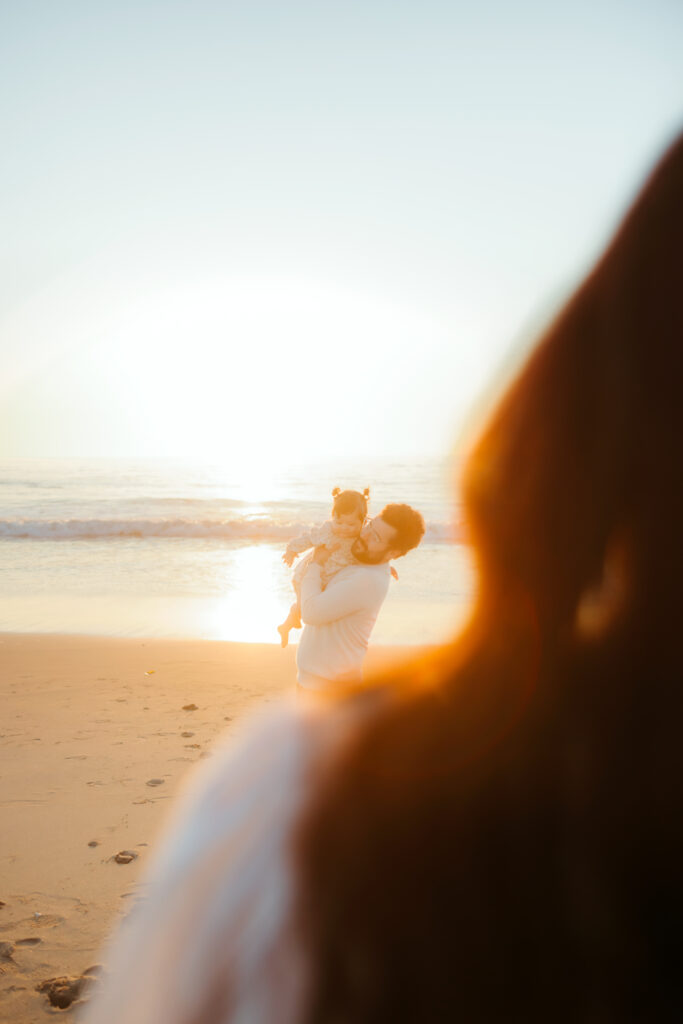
(254, 574)
(248, 371)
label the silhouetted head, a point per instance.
(581, 463)
(501, 838)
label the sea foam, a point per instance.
(254, 530)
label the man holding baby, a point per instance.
(338, 619)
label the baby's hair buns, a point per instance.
(336, 491)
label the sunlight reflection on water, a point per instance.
(253, 604)
(181, 588)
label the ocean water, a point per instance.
(140, 547)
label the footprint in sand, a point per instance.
(186, 735)
(39, 921)
(33, 940)
(154, 782)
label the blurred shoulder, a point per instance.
(217, 917)
(272, 751)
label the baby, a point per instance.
(349, 510)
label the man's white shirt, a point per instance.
(338, 621)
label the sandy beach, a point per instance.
(97, 737)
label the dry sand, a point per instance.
(87, 723)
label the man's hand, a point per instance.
(288, 558)
(322, 553)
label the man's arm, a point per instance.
(319, 607)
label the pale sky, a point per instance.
(261, 229)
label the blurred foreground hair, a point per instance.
(503, 839)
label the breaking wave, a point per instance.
(239, 530)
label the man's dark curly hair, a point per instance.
(407, 522)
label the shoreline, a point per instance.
(88, 723)
(34, 634)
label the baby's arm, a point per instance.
(312, 538)
(323, 534)
(295, 547)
